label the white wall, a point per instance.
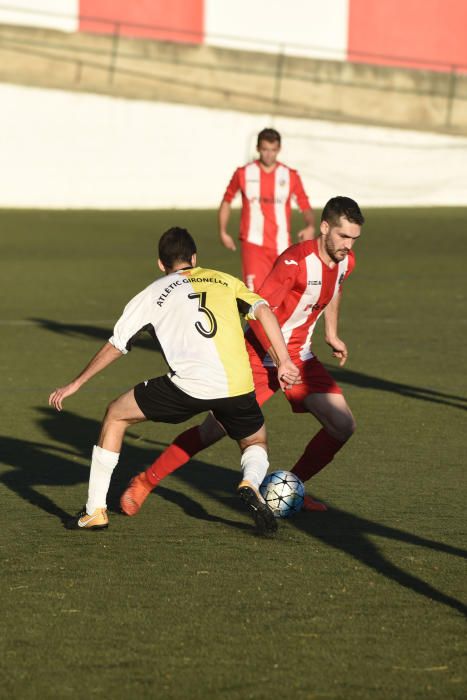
(51, 14)
(297, 27)
(68, 150)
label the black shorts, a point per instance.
(163, 402)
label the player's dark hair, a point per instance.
(342, 206)
(176, 246)
(270, 135)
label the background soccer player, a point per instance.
(306, 281)
(194, 314)
(267, 188)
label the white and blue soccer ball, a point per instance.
(283, 492)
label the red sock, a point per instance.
(319, 452)
(178, 453)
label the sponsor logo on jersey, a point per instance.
(290, 262)
(267, 200)
(314, 282)
(272, 200)
(314, 307)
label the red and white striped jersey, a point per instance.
(298, 288)
(266, 203)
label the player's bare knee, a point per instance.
(112, 413)
(257, 440)
(107, 415)
(350, 427)
(344, 427)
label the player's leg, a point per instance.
(254, 463)
(120, 414)
(184, 447)
(190, 442)
(320, 395)
(243, 421)
(257, 263)
(338, 423)
(180, 451)
(334, 414)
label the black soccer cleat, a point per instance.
(82, 521)
(266, 523)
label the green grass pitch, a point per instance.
(183, 601)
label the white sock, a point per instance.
(102, 465)
(255, 464)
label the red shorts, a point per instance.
(315, 380)
(257, 263)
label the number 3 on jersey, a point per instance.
(206, 333)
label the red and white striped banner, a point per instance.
(416, 33)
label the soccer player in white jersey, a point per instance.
(194, 314)
(305, 282)
(267, 188)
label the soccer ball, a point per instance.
(283, 492)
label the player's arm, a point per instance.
(135, 316)
(331, 319)
(223, 217)
(303, 202)
(261, 315)
(275, 289)
(287, 372)
(224, 211)
(102, 359)
(308, 232)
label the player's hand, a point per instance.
(227, 241)
(339, 350)
(57, 397)
(288, 374)
(306, 234)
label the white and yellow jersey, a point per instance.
(195, 315)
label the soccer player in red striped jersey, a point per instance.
(305, 282)
(267, 188)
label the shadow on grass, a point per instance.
(366, 381)
(349, 533)
(358, 379)
(146, 339)
(38, 464)
(41, 464)
(196, 510)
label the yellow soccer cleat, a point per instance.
(98, 520)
